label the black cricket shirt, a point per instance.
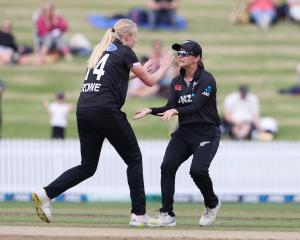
(195, 102)
(8, 40)
(106, 85)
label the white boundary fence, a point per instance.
(241, 171)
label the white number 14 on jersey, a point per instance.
(99, 68)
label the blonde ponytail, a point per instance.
(121, 28)
(107, 39)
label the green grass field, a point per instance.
(243, 217)
(266, 61)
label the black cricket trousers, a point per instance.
(58, 132)
(189, 140)
(94, 125)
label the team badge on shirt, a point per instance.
(178, 87)
(195, 83)
(112, 47)
(207, 91)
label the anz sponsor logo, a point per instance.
(112, 47)
(185, 99)
(207, 91)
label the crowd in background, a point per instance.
(50, 28)
(265, 13)
(241, 119)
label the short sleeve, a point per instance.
(51, 107)
(130, 58)
(229, 102)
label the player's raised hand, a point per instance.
(167, 60)
(150, 65)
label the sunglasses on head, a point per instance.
(184, 53)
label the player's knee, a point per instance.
(88, 170)
(133, 160)
(166, 167)
(199, 173)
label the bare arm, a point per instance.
(70, 107)
(148, 66)
(151, 79)
(228, 116)
(131, 76)
(256, 122)
(46, 105)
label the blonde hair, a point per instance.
(122, 28)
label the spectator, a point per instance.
(162, 12)
(51, 27)
(59, 113)
(8, 46)
(10, 52)
(80, 45)
(262, 12)
(241, 113)
(293, 10)
(164, 83)
(2, 88)
(294, 90)
(240, 13)
(138, 89)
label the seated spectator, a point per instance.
(293, 10)
(262, 12)
(51, 27)
(240, 13)
(165, 82)
(8, 46)
(290, 10)
(294, 90)
(80, 45)
(162, 12)
(13, 53)
(138, 89)
(59, 112)
(241, 113)
(269, 129)
(10, 51)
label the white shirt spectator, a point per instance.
(294, 9)
(59, 113)
(242, 110)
